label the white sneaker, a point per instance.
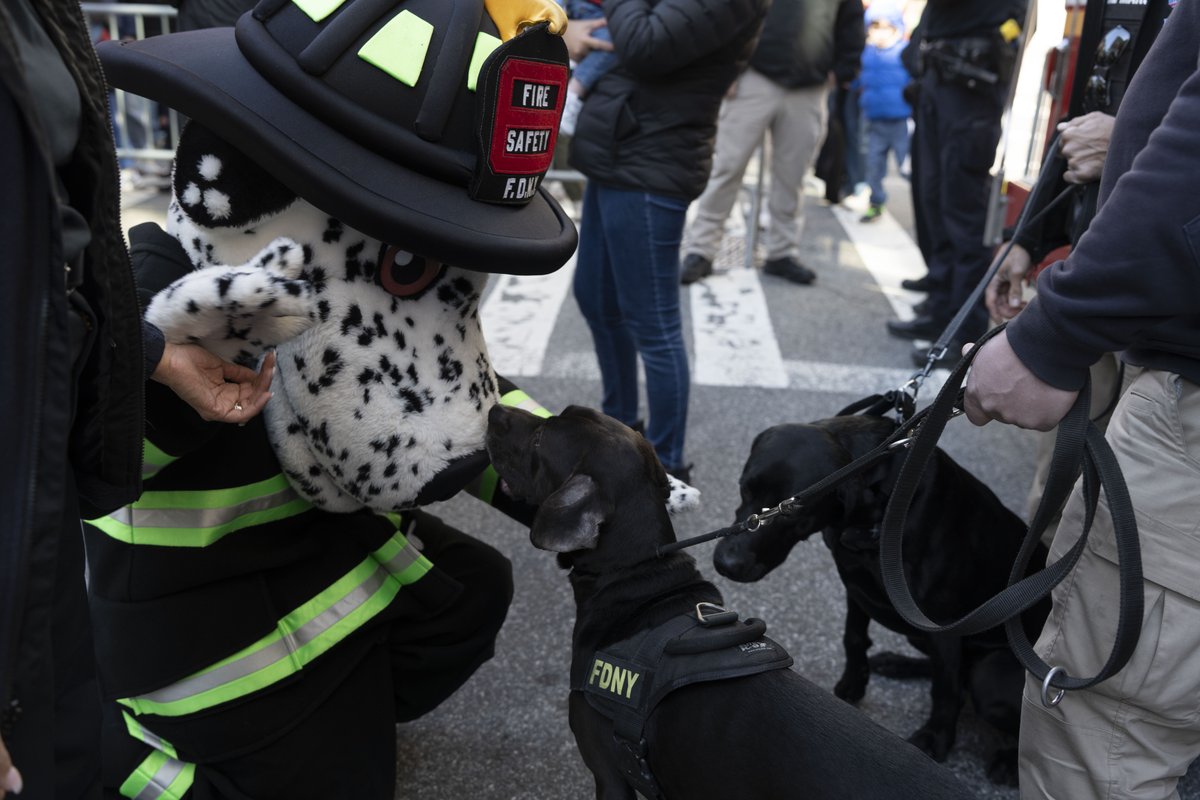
(571, 108)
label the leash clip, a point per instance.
(1047, 700)
(767, 515)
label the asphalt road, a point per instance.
(504, 736)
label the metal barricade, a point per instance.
(144, 131)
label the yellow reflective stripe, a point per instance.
(518, 399)
(399, 47)
(484, 487)
(159, 777)
(318, 10)
(485, 45)
(200, 518)
(300, 637)
(154, 459)
(210, 498)
(142, 734)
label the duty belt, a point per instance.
(627, 680)
(969, 60)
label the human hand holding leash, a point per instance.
(1001, 387)
(219, 390)
(1003, 296)
(1083, 142)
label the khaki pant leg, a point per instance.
(1134, 735)
(796, 135)
(743, 121)
(1105, 374)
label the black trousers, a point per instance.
(55, 737)
(959, 129)
(346, 748)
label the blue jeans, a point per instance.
(596, 62)
(884, 135)
(627, 287)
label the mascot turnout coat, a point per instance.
(275, 601)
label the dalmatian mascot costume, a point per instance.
(276, 600)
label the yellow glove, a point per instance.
(513, 16)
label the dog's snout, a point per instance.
(736, 562)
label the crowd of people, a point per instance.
(666, 105)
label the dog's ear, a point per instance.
(570, 518)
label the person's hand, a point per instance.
(1083, 142)
(1000, 386)
(218, 390)
(579, 39)
(1003, 295)
(10, 778)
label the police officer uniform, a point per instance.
(967, 59)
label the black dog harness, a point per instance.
(626, 680)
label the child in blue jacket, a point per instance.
(882, 81)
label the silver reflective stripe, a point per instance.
(407, 556)
(199, 517)
(281, 649)
(162, 780)
(530, 405)
(139, 731)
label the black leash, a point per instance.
(900, 438)
(1080, 446)
(902, 400)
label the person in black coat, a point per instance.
(645, 140)
(75, 356)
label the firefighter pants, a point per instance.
(346, 748)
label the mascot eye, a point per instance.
(405, 274)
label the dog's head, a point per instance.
(587, 474)
(785, 460)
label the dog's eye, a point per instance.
(405, 274)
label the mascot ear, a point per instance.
(570, 518)
(218, 186)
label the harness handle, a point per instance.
(1080, 446)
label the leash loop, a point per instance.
(1080, 448)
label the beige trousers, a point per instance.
(1134, 735)
(796, 120)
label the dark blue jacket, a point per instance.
(650, 122)
(883, 80)
(1133, 281)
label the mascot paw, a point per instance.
(239, 312)
(683, 497)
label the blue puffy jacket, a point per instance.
(882, 80)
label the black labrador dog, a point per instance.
(959, 546)
(600, 493)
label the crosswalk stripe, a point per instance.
(518, 319)
(734, 339)
(888, 253)
(735, 342)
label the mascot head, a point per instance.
(352, 172)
